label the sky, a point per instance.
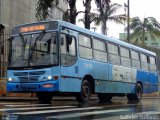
(140, 8)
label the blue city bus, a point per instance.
(52, 58)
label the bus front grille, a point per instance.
(29, 79)
(32, 76)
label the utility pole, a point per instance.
(1, 44)
(128, 21)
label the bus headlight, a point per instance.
(49, 77)
(11, 79)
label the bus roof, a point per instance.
(94, 34)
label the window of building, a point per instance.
(99, 50)
(85, 48)
(68, 50)
(113, 54)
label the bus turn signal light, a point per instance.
(55, 77)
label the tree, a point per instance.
(42, 8)
(87, 16)
(140, 28)
(107, 13)
(43, 5)
(72, 11)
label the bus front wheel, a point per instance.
(44, 97)
(84, 95)
(138, 93)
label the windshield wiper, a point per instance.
(24, 43)
(39, 37)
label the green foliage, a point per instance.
(148, 25)
(107, 12)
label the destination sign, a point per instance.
(32, 28)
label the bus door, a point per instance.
(69, 62)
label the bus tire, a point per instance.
(84, 95)
(104, 97)
(44, 97)
(138, 93)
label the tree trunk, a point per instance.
(87, 5)
(73, 11)
(104, 28)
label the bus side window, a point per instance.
(135, 59)
(113, 54)
(125, 56)
(99, 50)
(144, 63)
(68, 50)
(85, 47)
(152, 64)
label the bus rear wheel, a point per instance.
(138, 93)
(44, 97)
(104, 97)
(84, 95)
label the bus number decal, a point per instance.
(87, 65)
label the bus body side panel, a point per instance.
(98, 70)
(153, 77)
(149, 81)
(121, 81)
(70, 81)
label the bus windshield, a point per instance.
(34, 50)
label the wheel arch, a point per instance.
(139, 82)
(91, 81)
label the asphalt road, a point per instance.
(118, 109)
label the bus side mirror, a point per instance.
(69, 39)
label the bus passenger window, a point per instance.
(68, 50)
(125, 57)
(113, 54)
(135, 59)
(152, 64)
(99, 50)
(144, 63)
(85, 49)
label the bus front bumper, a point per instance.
(49, 86)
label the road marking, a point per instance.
(55, 111)
(27, 105)
(87, 114)
(35, 108)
